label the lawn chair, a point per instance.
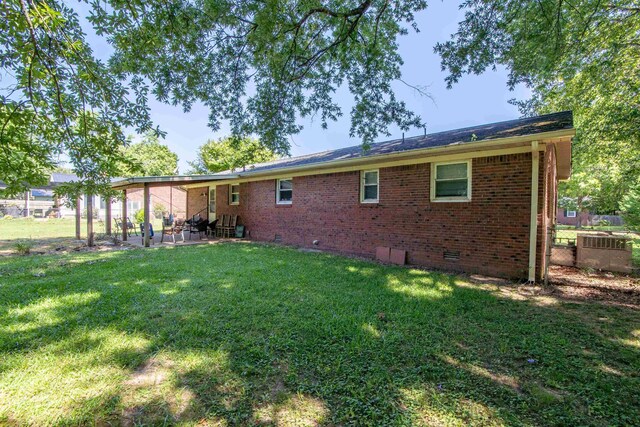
(200, 227)
(230, 229)
(222, 224)
(171, 228)
(212, 227)
(151, 234)
(130, 227)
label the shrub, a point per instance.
(630, 206)
(7, 217)
(23, 247)
(158, 210)
(139, 217)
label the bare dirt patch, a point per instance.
(60, 245)
(573, 283)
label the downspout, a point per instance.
(533, 225)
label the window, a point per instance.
(284, 191)
(451, 182)
(234, 194)
(369, 187)
(571, 214)
(133, 206)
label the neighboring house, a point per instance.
(41, 201)
(478, 199)
(585, 218)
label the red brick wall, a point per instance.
(491, 232)
(196, 202)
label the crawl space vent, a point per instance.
(277, 238)
(451, 255)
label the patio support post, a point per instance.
(107, 215)
(124, 216)
(89, 220)
(78, 215)
(147, 235)
(26, 203)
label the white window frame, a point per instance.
(231, 193)
(466, 198)
(283, 202)
(363, 185)
(570, 214)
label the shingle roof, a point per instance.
(510, 128)
(58, 177)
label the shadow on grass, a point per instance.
(250, 334)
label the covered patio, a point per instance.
(147, 183)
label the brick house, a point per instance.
(477, 200)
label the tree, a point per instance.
(258, 65)
(149, 158)
(57, 99)
(631, 208)
(230, 154)
(583, 56)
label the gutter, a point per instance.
(183, 179)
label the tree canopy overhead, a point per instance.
(57, 99)
(261, 64)
(258, 65)
(581, 55)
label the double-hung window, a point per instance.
(234, 194)
(369, 186)
(284, 191)
(451, 182)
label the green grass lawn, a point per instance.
(21, 228)
(244, 334)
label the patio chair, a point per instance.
(230, 229)
(212, 227)
(222, 224)
(200, 227)
(172, 228)
(130, 227)
(151, 234)
(194, 225)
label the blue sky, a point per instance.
(474, 100)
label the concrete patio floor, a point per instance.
(195, 240)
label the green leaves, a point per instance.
(581, 56)
(58, 100)
(230, 154)
(260, 66)
(149, 158)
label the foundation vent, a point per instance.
(451, 255)
(277, 238)
(611, 243)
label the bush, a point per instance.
(23, 247)
(7, 217)
(630, 206)
(158, 210)
(139, 217)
